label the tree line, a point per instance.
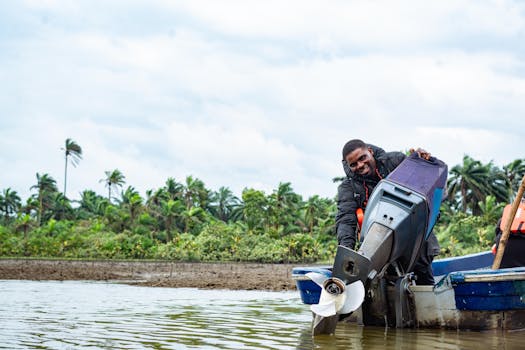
(187, 221)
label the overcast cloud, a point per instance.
(253, 93)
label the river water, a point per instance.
(75, 314)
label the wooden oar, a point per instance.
(506, 230)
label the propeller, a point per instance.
(336, 296)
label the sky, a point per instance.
(250, 94)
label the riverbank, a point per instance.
(247, 276)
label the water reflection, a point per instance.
(352, 336)
(72, 315)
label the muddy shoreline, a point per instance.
(247, 276)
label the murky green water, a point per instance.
(72, 315)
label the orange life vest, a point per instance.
(360, 215)
(518, 224)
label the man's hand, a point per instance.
(421, 153)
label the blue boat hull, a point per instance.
(489, 289)
(309, 291)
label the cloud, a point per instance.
(363, 24)
(215, 148)
(250, 94)
(485, 145)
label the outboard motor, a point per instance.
(400, 215)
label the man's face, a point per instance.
(361, 161)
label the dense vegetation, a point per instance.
(187, 221)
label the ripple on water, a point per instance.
(81, 314)
(72, 314)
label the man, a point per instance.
(365, 165)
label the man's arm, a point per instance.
(346, 219)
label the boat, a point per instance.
(467, 295)
(374, 285)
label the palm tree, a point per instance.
(224, 204)
(472, 181)
(283, 204)
(74, 152)
(9, 202)
(45, 186)
(498, 183)
(514, 172)
(174, 189)
(491, 210)
(24, 223)
(195, 193)
(30, 206)
(192, 217)
(255, 207)
(314, 210)
(155, 198)
(132, 201)
(460, 178)
(113, 178)
(91, 204)
(61, 207)
(170, 211)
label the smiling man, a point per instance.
(365, 165)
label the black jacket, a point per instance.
(513, 255)
(351, 194)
